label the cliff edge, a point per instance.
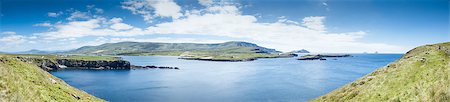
(25, 82)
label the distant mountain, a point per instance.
(170, 48)
(34, 51)
(301, 51)
(421, 75)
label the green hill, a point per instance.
(228, 51)
(169, 48)
(421, 75)
(25, 82)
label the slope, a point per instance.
(24, 82)
(422, 74)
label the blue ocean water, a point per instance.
(262, 80)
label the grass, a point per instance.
(421, 75)
(232, 53)
(155, 53)
(228, 55)
(24, 82)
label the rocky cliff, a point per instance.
(55, 64)
(118, 64)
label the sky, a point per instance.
(332, 26)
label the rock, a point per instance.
(334, 55)
(53, 81)
(75, 96)
(50, 65)
(320, 56)
(309, 57)
(152, 67)
(212, 59)
(117, 64)
(62, 66)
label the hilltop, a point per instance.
(422, 75)
(301, 51)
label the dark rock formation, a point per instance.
(309, 57)
(192, 57)
(321, 56)
(55, 64)
(153, 67)
(45, 64)
(51, 65)
(334, 55)
(301, 51)
(118, 64)
(220, 60)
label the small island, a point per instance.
(231, 57)
(322, 56)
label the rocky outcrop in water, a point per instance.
(117, 64)
(234, 59)
(153, 67)
(212, 59)
(322, 56)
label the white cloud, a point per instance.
(224, 9)
(78, 15)
(13, 39)
(325, 5)
(92, 7)
(93, 27)
(314, 23)
(73, 29)
(205, 2)
(167, 40)
(153, 8)
(98, 10)
(121, 26)
(166, 8)
(9, 33)
(118, 25)
(45, 24)
(223, 21)
(54, 14)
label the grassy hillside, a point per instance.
(150, 48)
(237, 51)
(421, 75)
(24, 82)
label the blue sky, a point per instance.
(389, 26)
